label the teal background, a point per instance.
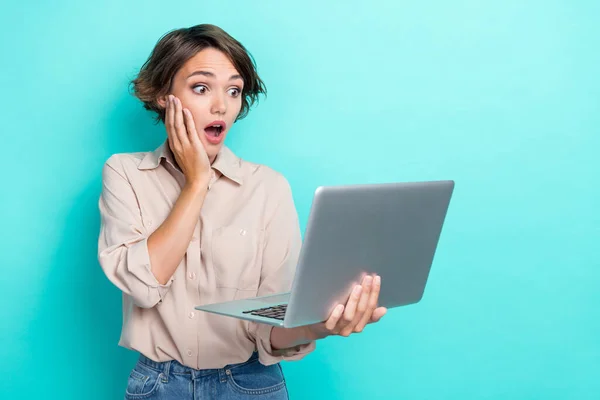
(501, 96)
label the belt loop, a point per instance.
(223, 372)
(167, 367)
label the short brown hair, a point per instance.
(176, 47)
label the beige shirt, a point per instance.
(246, 243)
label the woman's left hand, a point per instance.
(360, 310)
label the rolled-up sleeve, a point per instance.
(123, 240)
(280, 255)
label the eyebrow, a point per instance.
(211, 75)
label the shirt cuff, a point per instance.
(138, 264)
(268, 356)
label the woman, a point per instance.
(191, 223)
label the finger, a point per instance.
(170, 123)
(191, 128)
(179, 125)
(362, 307)
(378, 314)
(372, 304)
(350, 310)
(335, 316)
(193, 135)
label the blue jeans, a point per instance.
(171, 380)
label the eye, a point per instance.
(234, 92)
(200, 89)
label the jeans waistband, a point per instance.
(178, 368)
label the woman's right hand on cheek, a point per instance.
(187, 148)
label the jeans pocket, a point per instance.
(255, 378)
(142, 383)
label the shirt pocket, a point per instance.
(236, 257)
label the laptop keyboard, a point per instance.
(276, 312)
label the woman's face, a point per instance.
(211, 88)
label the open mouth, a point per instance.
(215, 128)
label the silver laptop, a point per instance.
(390, 229)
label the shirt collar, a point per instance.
(227, 163)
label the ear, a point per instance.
(162, 101)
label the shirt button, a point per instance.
(192, 275)
(189, 353)
(243, 232)
(191, 315)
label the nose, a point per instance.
(219, 104)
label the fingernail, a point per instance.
(368, 280)
(377, 280)
(357, 289)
